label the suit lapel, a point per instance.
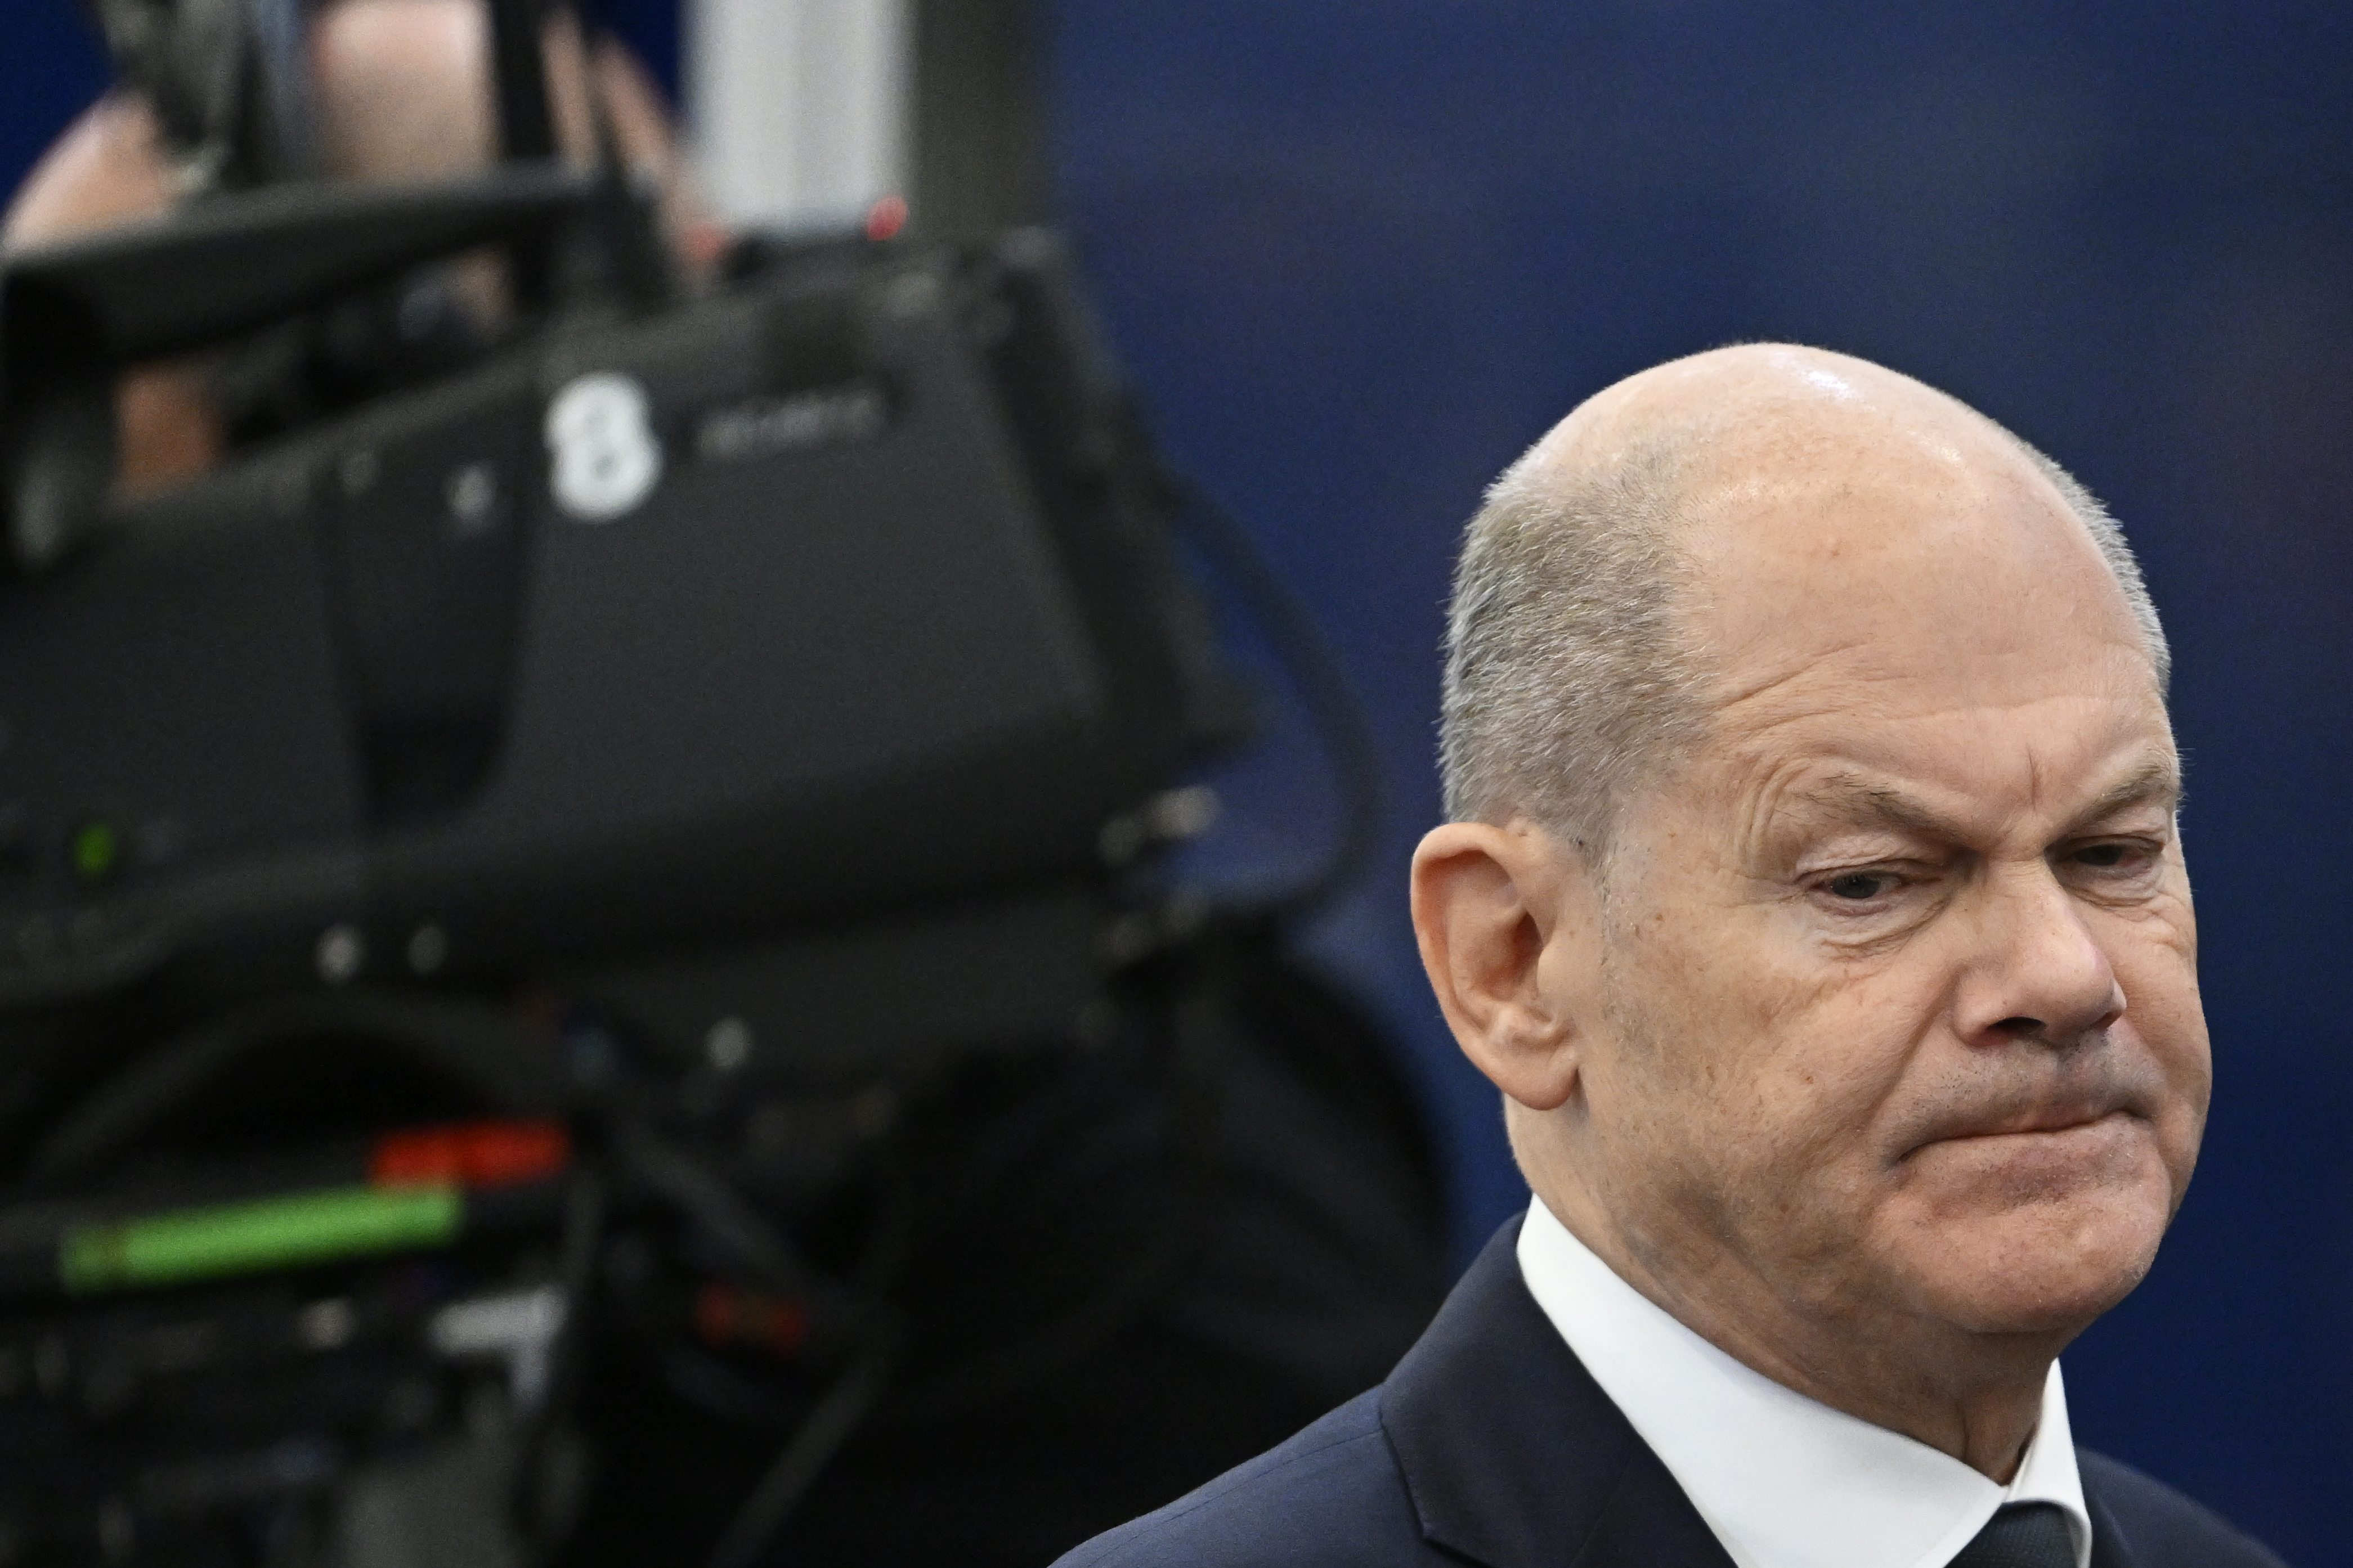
(1648, 1521)
(1514, 1455)
(2110, 1549)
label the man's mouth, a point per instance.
(2055, 1124)
(2042, 1121)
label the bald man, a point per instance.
(1811, 892)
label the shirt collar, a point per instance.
(1785, 1482)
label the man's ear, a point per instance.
(1488, 902)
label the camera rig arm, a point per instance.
(73, 315)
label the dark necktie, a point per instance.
(2021, 1535)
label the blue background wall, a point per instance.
(1359, 254)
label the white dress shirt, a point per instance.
(1784, 1481)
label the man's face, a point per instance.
(1900, 1011)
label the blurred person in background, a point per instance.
(401, 92)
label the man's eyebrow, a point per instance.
(1863, 804)
(2155, 783)
(1858, 802)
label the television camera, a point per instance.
(490, 872)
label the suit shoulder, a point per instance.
(1331, 1496)
(2165, 1528)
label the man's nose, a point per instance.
(2040, 972)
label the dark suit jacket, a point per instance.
(1491, 1444)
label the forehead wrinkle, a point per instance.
(1765, 685)
(1785, 697)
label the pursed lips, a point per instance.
(2040, 1121)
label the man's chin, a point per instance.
(2044, 1309)
(2050, 1269)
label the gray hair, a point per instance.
(1570, 676)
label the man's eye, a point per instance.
(2108, 856)
(1860, 885)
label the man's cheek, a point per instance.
(1825, 1043)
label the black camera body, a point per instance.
(773, 678)
(841, 590)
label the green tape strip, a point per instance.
(251, 1237)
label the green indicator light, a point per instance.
(97, 850)
(250, 1237)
